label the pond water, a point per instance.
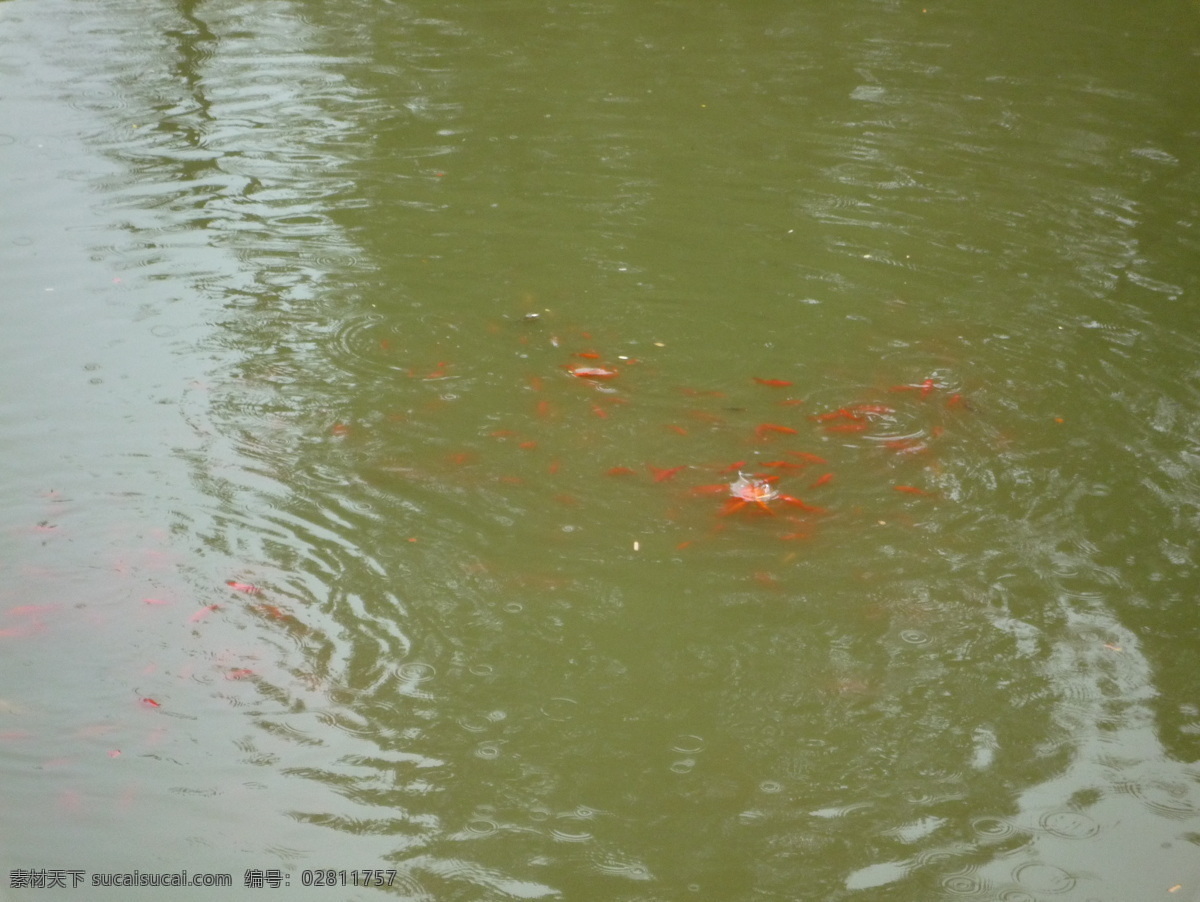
(601, 450)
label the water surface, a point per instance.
(293, 298)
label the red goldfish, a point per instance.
(774, 383)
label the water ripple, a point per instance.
(405, 479)
(1170, 797)
(965, 882)
(993, 827)
(1044, 878)
(1068, 824)
(571, 828)
(612, 866)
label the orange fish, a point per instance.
(759, 492)
(906, 445)
(762, 429)
(804, 455)
(745, 491)
(203, 612)
(910, 489)
(664, 475)
(243, 587)
(924, 388)
(848, 427)
(840, 414)
(774, 383)
(796, 502)
(26, 610)
(592, 372)
(824, 480)
(621, 471)
(733, 505)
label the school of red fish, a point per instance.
(777, 457)
(761, 490)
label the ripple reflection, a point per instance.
(965, 882)
(1044, 878)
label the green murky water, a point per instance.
(305, 298)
